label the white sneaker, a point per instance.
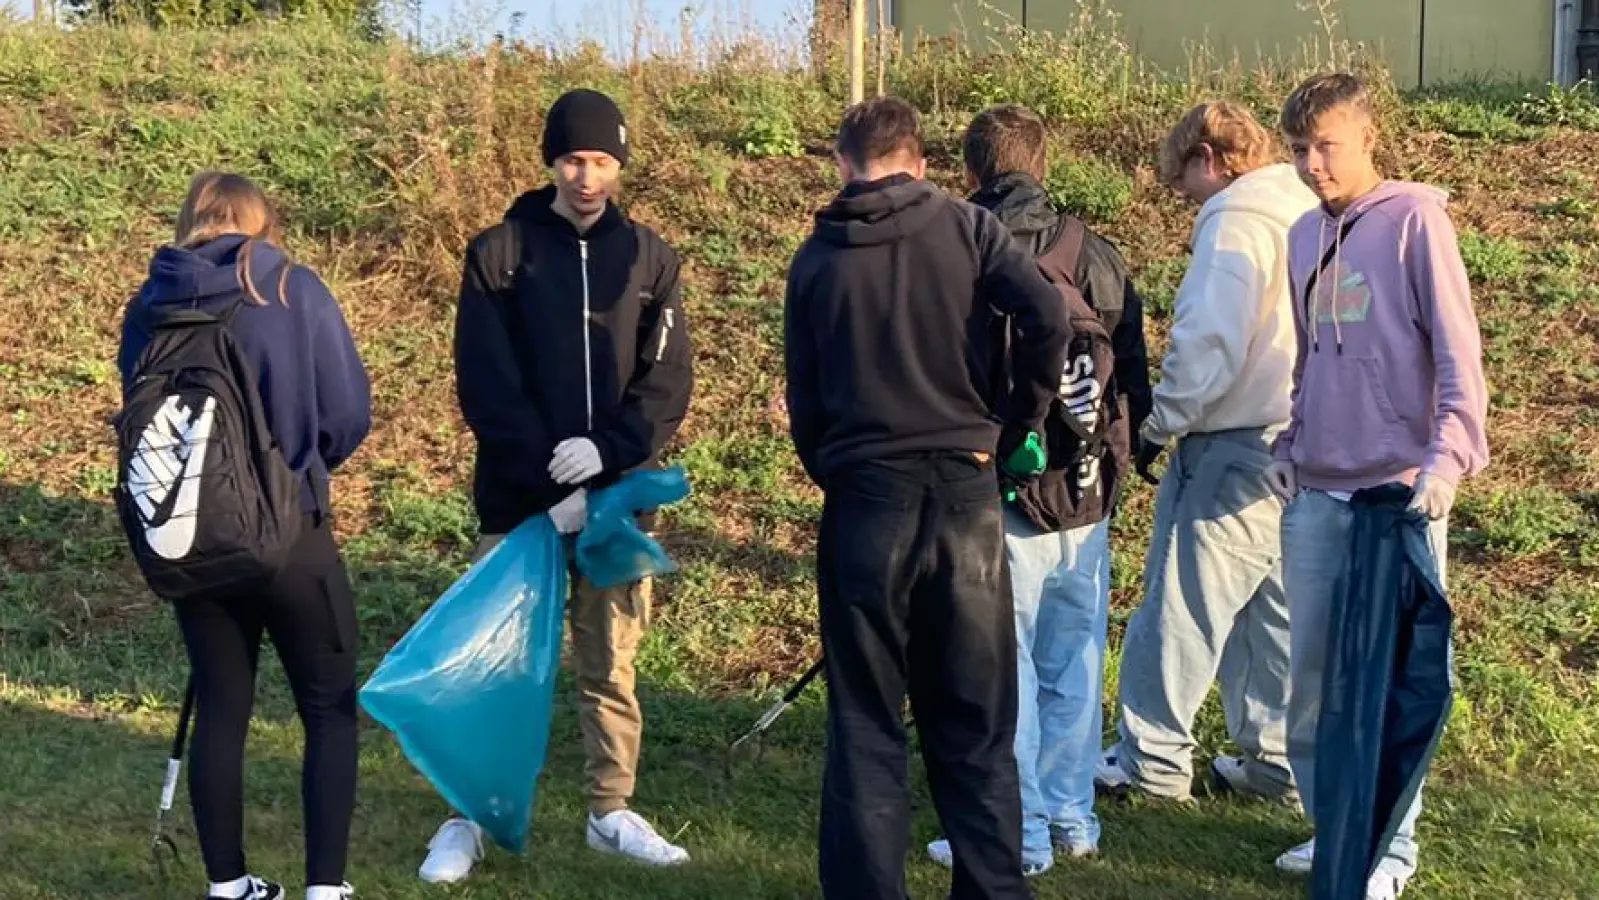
(1109, 774)
(1383, 886)
(1298, 861)
(625, 833)
(1229, 772)
(939, 852)
(454, 848)
(325, 892)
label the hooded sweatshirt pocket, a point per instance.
(1350, 427)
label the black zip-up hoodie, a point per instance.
(562, 335)
(889, 328)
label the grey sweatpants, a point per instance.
(1213, 609)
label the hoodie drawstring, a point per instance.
(1338, 255)
(1313, 302)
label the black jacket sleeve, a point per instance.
(489, 384)
(1108, 286)
(656, 399)
(1013, 285)
(803, 392)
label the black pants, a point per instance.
(310, 613)
(915, 595)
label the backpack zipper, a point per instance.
(588, 363)
(660, 351)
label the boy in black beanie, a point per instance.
(573, 367)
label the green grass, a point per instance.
(385, 162)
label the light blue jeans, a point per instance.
(1317, 529)
(1061, 583)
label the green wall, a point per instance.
(1457, 39)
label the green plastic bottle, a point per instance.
(1028, 460)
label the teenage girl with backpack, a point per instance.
(316, 400)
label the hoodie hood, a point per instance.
(1020, 202)
(208, 276)
(878, 212)
(536, 207)
(1274, 192)
(1399, 197)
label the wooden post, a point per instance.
(882, 44)
(857, 51)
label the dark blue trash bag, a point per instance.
(468, 691)
(1386, 692)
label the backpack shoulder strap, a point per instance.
(1065, 251)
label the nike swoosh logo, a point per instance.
(167, 492)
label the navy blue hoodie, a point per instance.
(313, 385)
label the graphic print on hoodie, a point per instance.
(1388, 375)
(314, 388)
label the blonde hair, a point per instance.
(221, 204)
(1240, 143)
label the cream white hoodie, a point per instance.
(1231, 359)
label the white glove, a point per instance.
(1284, 481)
(576, 461)
(1432, 497)
(571, 514)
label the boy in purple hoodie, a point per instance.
(1388, 386)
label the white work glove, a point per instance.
(1432, 497)
(1284, 481)
(576, 461)
(571, 514)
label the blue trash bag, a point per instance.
(612, 549)
(468, 691)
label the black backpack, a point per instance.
(208, 503)
(1086, 423)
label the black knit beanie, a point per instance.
(584, 120)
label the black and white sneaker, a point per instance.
(260, 889)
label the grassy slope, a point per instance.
(387, 162)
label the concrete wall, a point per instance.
(1431, 40)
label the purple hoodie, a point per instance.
(1388, 383)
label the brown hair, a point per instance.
(878, 129)
(1319, 95)
(1240, 143)
(220, 204)
(1005, 139)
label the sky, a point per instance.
(611, 22)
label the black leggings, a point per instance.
(310, 613)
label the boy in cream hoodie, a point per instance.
(1388, 388)
(1213, 603)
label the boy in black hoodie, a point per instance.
(1057, 532)
(891, 350)
(573, 367)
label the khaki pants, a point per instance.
(606, 626)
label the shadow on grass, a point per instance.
(88, 701)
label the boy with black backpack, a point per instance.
(1057, 527)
